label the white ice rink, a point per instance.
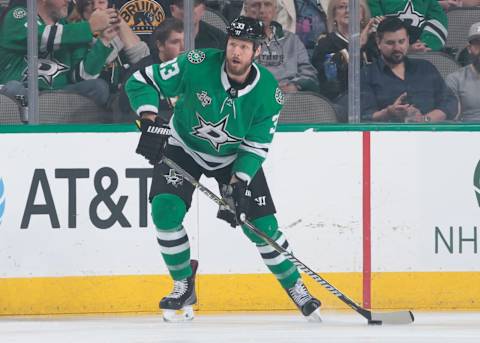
(289, 327)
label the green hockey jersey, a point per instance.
(214, 123)
(64, 52)
(427, 16)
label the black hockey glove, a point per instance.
(153, 138)
(235, 195)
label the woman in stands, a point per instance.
(330, 56)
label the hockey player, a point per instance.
(222, 127)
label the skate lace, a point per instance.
(299, 294)
(179, 288)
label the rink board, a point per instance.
(71, 241)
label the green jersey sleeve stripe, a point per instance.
(257, 144)
(257, 151)
(83, 73)
(436, 28)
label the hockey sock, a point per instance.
(175, 249)
(168, 211)
(284, 270)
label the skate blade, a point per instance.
(175, 316)
(314, 317)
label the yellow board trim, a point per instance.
(232, 292)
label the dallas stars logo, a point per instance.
(48, 69)
(173, 178)
(410, 16)
(214, 133)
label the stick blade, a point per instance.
(400, 317)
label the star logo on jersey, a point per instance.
(214, 133)
(173, 178)
(48, 70)
(410, 16)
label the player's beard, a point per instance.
(237, 70)
(394, 58)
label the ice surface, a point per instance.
(233, 327)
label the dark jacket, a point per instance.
(336, 44)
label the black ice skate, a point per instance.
(181, 298)
(308, 305)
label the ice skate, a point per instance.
(308, 305)
(178, 305)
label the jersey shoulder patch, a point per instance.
(279, 97)
(19, 13)
(196, 56)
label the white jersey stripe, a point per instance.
(265, 249)
(83, 73)
(175, 250)
(274, 261)
(58, 37)
(171, 235)
(44, 39)
(259, 152)
(147, 108)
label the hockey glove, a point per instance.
(153, 138)
(235, 195)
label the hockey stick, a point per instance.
(399, 317)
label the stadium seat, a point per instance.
(215, 19)
(443, 62)
(9, 111)
(65, 107)
(459, 22)
(307, 108)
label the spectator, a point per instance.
(427, 21)
(169, 43)
(282, 52)
(127, 46)
(285, 16)
(311, 22)
(396, 88)
(465, 83)
(206, 35)
(143, 16)
(330, 56)
(451, 4)
(66, 60)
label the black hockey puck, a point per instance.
(374, 322)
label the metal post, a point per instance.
(354, 61)
(32, 55)
(188, 27)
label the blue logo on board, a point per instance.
(2, 199)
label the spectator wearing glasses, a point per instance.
(465, 83)
(396, 88)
